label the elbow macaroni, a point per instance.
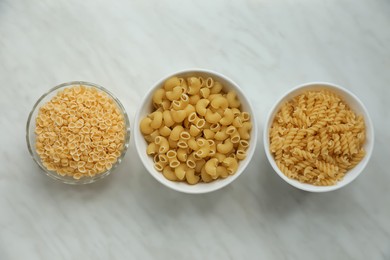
(175, 133)
(201, 106)
(145, 126)
(158, 96)
(156, 119)
(174, 94)
(227, 118)
(212, 117)
(225, 147)
(171, 83)
(178, 116)
(232, 99)
(191, 177)
(167, 117)
(197, 132)
(180, 171)
(244, 131)
(231, 164)
(205, 92)
(193, 85)
(219, 102)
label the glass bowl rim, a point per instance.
(85, 180)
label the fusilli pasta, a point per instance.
(316, 138)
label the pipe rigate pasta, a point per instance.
(244, 131)
(145, 126)
(182, 144)
(316, 138)
(205, 176)
(227, 118)
(232, 99)
(241, 154)
(193, 144)
(182, 154)
(201, 106)
(231, 164)
(180, 171)
(194, 99)
(222, 172)
(235, 138)
(189, 109)
(191, 177)
(212, 117)
(209, 83)
(152, 149)
(219, 102)
(205, 92)
(162, 143)
(208, 134)
(225, 147)
(211, 167)
(178, 116)
(194, 85)
(177, 105)
(156, 119)
(203, 152)
(158, 96)
(175, 133)
(196, 132)
(169, 173)
(221, 134)
(164, 131)
(174, 94)
(170, 83)
(216, 88)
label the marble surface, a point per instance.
(265, 46)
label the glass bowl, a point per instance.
(31, 136)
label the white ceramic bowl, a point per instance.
(355, 104)
(141, 144)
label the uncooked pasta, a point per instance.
(316, 138)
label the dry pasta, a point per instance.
(198, 127)
(81, 132)
(316, 138)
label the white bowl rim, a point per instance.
(305, 186)
(191, 189)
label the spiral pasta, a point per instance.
(316, 138)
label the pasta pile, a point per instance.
(80, 132)
(315, 138)
(196, 132)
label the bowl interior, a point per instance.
(31, 136)
(147, 108)
(354, 103)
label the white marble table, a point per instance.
(267, 47)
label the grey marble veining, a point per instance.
(267, 47)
